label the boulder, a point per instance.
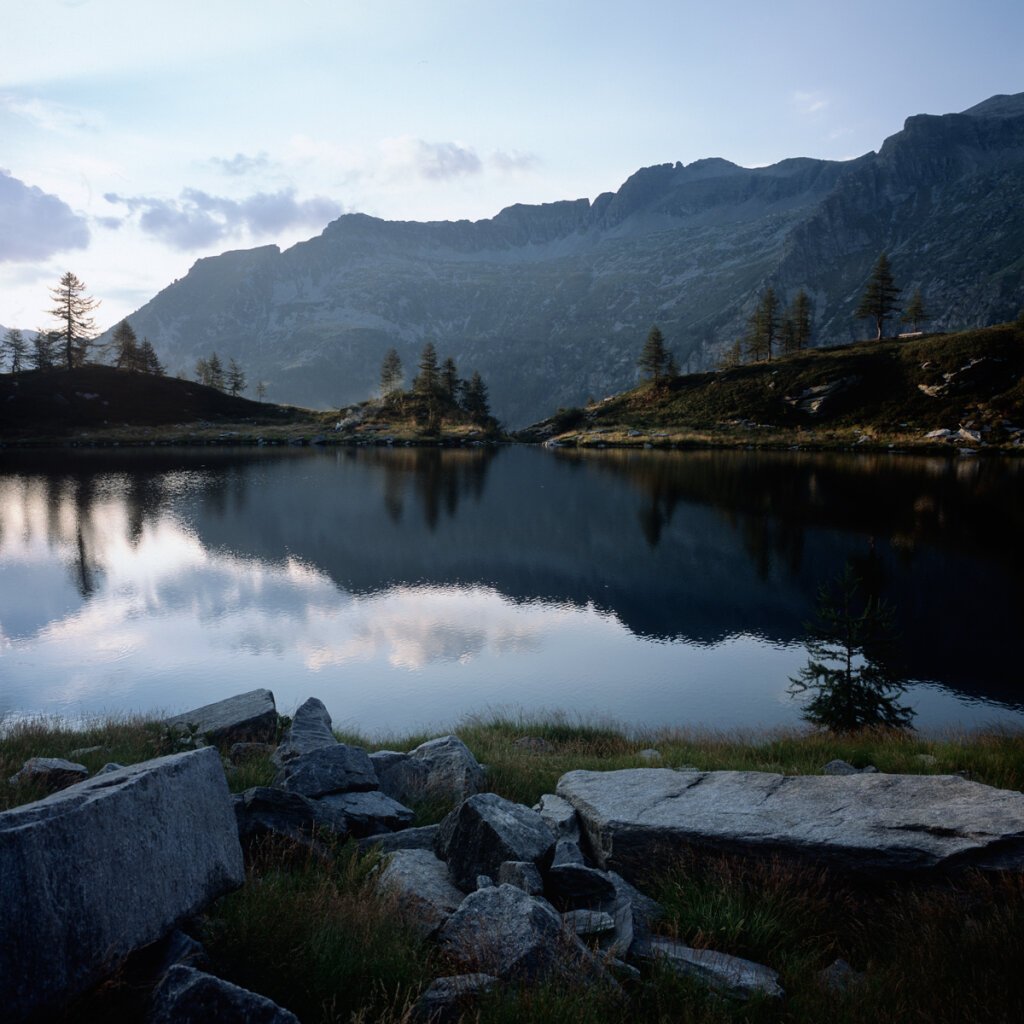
(401, 776)
(335, 769)
(188, 995)
(263, 811)
(245, 717)
(523, 874)
(560, 816)
(310, 730)
(485, 830)
(49, 773)
(425, 890)
(453, 771)
(588, 922)
(875, 824)
(446, 1000)
(407, 839)
(502, 931)
(94, 872)
(366, 813)
(731, 975)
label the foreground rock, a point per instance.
(93, 872)
(330, 769)
(442, 768)
(426, 893)
(486, 830)
(504, 932)
(729, 974)
(247, 717)
(50, 773)
(446, 1000)
(865, 823)
(187, 995)
(310, 730)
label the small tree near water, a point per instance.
(851, 649)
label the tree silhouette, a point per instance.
(72, 310)
(655, 360)
(880, 295)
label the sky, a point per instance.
(138, 136)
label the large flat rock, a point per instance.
(874, 824)
(109, 865)
(246, 716)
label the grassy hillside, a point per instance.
(875, 393)
(54, 403)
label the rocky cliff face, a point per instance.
(552, 303)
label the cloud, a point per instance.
(52, 117)
(513, 161)
(197, 219)
(241, 164)
(809, 102)
(35, 224)
(436, 161)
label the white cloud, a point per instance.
(241, 164)
(50, 116)
(34, 225)
(809, 102)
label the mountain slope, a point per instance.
(551, 303)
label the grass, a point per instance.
(318, 938)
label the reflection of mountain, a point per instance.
(678, 546)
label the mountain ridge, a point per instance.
(551, 302)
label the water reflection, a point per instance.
(655, 587)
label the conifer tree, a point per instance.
(234, 381)
(449, 377)
(915, 313)
(148, 360)
(215, 372)
(428, 379)
(763, 326)
(390, 373)
(43, 350)
(15, 348)
(72, 310)
(879, 299)
(655, 360)
(475, 399)
(126, 348)
(802, 314)
(261, 391)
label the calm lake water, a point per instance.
(407, 588)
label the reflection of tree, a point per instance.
(440, 478)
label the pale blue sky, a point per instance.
(136, 137)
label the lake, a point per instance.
(410, 587)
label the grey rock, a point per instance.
(83, 751)
(523, 874)
(366, 813)
(401, 776)
(566, 852)
(110, 766)
(839, 976)
(188, 996)
(263, 811)
(247, 716)
(49, 773)
(94, 872)
(504, 932)
(865, 823)
(560, 816)
(588, 922)
(426, 893)
(650, 754)
(333, 769)
(574, 885)
(838, 767)
(484, 882)
(178, 948)
(453, 771)
(731, 975)
(447, 1000)
(310, 730)
(407, 839)
(485, 830)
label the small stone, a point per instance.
(838, 767)
(650, 754)
(50, 773)
(484, 882)
(522, 874)
(588, 922)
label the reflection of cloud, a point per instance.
(196, 218)
(418, 626)
(35, 224)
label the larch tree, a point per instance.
(915, 313)
(15, 348)
(234, 380)
(802, 316)
(655, 359)
(72, 309)
(450, 379)
(215, 372)
(148, 360)
(43, 355)
(763, 326)
(880, 298)
(261, 391)
(428, 379)
(391, 373)
(475, 399)
(126, 348)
